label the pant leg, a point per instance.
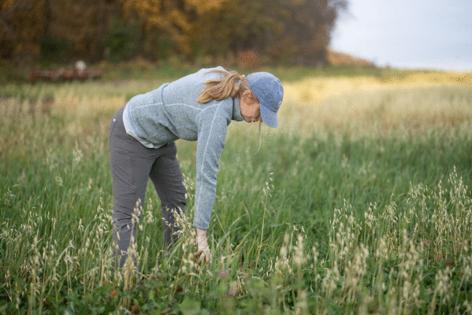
(131, 164)
(168, 181)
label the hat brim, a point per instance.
(269, 117)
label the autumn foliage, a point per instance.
(247, 31)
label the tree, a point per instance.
(174, 19)
(21, 27)
(288, 31)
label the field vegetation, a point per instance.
(359, 203)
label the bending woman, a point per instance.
(199, 106)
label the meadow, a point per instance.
(360, 202)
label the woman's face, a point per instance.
(250, 107)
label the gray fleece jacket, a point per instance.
(172, 112)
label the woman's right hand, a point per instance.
(203, 251)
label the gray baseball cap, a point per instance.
(268, 90)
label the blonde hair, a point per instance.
(231, 84)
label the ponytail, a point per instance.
(230, 85)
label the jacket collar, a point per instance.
(236, 110)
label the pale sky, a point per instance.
(434, 34)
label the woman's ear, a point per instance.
(247, 93)
(249, 96)
(246, 96)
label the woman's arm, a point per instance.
(211, 138)
(213, 125)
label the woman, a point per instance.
(199, 106)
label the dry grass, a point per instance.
(366, 105)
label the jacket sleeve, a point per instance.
(213, 126)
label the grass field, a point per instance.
(359, 203)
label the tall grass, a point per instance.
(359, 203)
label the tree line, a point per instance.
(281, 31)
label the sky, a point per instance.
(429, 34)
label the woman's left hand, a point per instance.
(203, 251)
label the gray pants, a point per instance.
(131, 166)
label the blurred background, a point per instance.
(409, 34)
(295, 32)
(434, 34)
(419, 33)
